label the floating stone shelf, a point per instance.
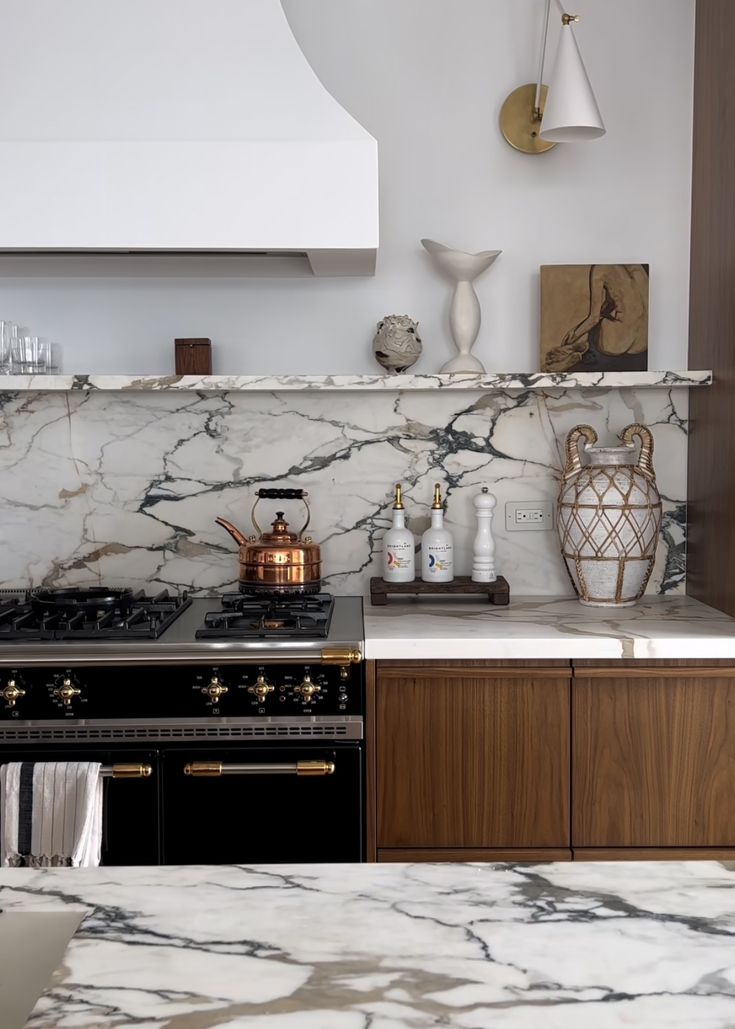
(489, 382)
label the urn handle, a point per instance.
(645, 461)
(574, 462)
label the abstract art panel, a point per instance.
(594, 317)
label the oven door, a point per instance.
(263, 804)
(130, 826)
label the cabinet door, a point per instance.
(472, 758)
(654, 759)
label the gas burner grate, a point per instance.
(82, 617)
(248, 617)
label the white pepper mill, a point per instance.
(483, 551)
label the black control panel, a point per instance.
(180, 691)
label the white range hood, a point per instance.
(186, 126)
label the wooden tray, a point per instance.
(497, 592)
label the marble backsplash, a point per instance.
(124, 487)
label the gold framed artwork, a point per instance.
(594, 317)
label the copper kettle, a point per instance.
(278, 561)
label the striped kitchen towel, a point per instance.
(50, 814)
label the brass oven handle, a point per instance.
(124, 771)
(212, 769)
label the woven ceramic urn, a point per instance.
(609, 516)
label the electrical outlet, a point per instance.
(529, 516)
(532, 514)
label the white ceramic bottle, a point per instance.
(399, 548)
(437, 545)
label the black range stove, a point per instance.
(215, 711)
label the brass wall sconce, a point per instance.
(535, 117)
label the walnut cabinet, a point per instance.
(551, 760)
(653, 757)
(471, 760)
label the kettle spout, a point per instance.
(235, 533)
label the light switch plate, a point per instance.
(529, 516)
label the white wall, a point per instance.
(427, 78)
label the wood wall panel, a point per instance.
(711, 490)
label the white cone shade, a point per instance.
(571, 113)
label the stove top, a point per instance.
(94, 613)
(249, 617)
(106, 626)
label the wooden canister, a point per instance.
(193, 356)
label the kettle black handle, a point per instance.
(281, 494)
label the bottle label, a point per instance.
(440, 560)
(399, 555)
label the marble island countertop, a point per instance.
(547, 627)
(555, 946)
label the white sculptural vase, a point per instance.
(464, 314)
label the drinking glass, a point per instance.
(42, 355)
(18, 354)
(8, 334)
(29, 355)
(54, 358)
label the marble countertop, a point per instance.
(547, 627)
(558, 946)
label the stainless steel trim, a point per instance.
(73, 656)
(321, 727)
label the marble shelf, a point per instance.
(500, 381)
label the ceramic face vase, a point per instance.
(609, 516)
(397, 344)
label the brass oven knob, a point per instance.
(66, 692)
(215, 689)
(11, 693)
(307, 689)
(261, 689)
